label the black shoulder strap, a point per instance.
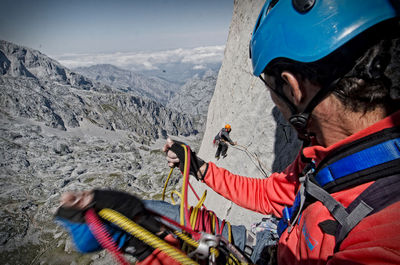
(375, 198)
(381, 194)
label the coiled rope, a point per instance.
(144, 235)
(198, 217)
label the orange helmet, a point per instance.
(228, 127)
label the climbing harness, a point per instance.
(379, 161)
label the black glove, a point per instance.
(124, 203)
(195, 162)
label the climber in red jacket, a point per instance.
(332, 68)
(334, 74)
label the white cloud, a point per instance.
(199, 67)
(146, 60)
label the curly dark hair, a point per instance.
(363, 74)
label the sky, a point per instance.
(62, 28)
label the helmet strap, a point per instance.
(300, 120)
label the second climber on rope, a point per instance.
(221, 140)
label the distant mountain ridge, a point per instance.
(36, 86)
(191, 98)
(180, 72)
(150, 87)
(18, 61)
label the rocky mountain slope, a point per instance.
(35, 86)
(62, 131)
(151, 87)
(194, 96)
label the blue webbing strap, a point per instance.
(287, 212)
(364, 159)
(367, 158)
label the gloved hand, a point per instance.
(176, 157)
(71, 215)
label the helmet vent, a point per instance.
(303, 6)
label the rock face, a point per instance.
(151, 87)
(241, 100)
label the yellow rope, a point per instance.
(202, 199)
(182, 209)
(229, 232)
(172, 196)
(144, 235)
(193, 217)
(166, 183)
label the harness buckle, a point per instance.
(206, 242)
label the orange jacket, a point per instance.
(375, 240)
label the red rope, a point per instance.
(195, 235)
(195, 194)
(103, 237)
(204, 217)
(185, 203)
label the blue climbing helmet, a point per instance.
(308, 30)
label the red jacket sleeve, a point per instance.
(266, 196)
